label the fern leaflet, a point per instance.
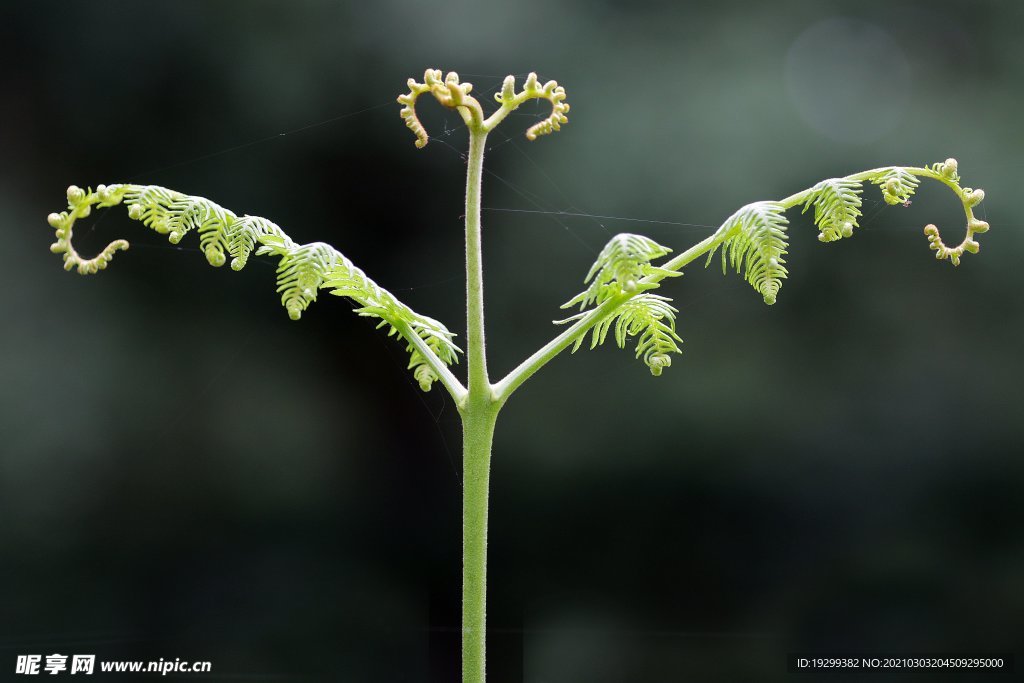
(648, 317)
(620, 266)
(897, 184)
(836, 203)
(754, 240)
(619, 271)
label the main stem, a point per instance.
(479, 412)
(478, 432)
(476, 356)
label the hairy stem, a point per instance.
(479, 412)
(477, 434)
(476, 355)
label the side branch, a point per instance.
(443, 373)
(303, 269)
(897, 184)
(752, 239)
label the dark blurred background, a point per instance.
(187, 473)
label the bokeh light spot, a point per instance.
(848, 79)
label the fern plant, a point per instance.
(618, 294)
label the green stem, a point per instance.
(479, 411)
(477, 435)
(477, 380)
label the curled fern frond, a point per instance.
(303, 269)
(620, 266)
(648, 317)
(969, 244)
(948, 169)
(836, 203)
(449, 92)
(533, 90)
(509, 100)
(897, 184)
(947, 172)
(754, 240)
(80, 203)
(408, 112)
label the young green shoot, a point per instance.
(619, 294)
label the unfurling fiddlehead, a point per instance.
(947, 173)
(753, 241)
(533, 90)
(450, 93)
(303, 269)
(79, 206)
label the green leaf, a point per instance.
(836, 203)
(754, 241)
(897, 184)
(620, 266)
